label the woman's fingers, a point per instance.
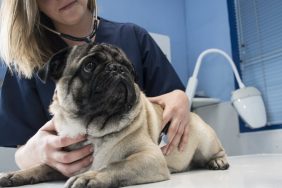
(68, 162)
(158, 100)
(75, 167)
(68, 157)
(48, 127)
(63, 141)
(184, 138)
(167, 117)
(175, 133)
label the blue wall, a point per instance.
(157, 16)
(208, 27)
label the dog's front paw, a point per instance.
(219, 163)
(5, 180)
(11, 179)
(87, 180)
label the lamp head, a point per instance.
(249, 104)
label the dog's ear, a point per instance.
(55, 66)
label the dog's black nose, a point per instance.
(115, 68)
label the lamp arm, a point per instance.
(193, 81)
(230, 61)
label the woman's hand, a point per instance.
(176, 112)
(47, 147)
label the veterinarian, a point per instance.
(31, 31)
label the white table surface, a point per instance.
(250, 171)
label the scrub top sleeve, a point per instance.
(21, 113)
(158, 74)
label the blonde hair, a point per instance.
(25, 46)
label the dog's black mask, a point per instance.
(99, 77)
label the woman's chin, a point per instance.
(72, 16)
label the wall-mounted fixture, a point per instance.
(246, 100)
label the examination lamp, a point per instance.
(246, 100)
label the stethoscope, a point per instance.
(87, 38)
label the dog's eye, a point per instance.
(89, 67)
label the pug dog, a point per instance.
(96, 96)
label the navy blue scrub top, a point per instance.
(24, 102)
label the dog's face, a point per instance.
(92, 80)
